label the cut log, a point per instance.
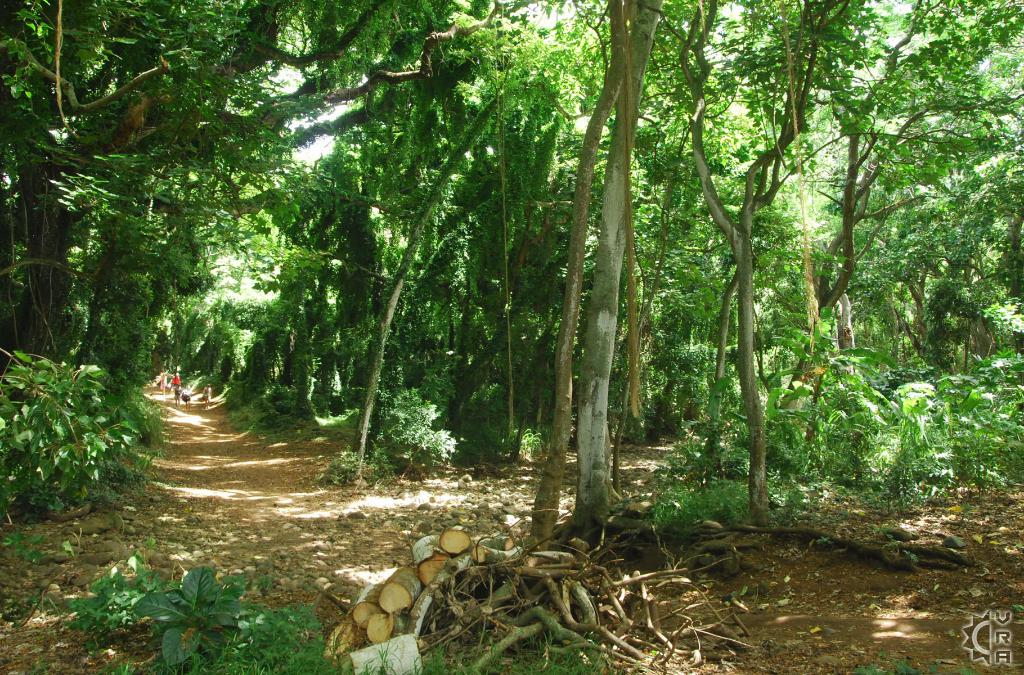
(421, 609)
(424, 548)
(427, 569)
(497, 542)
(398, 656)
(345, 637)
(380, 628)
(366, 604)
(400, 590)
(454, 541)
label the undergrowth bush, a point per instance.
(701, 461)
(679, 508)
(342, 468)
(407, 433)
(896, 433)
(63, 435)
(114, 596)
(201, 625)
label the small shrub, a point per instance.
(59, 431)
(115, 595)
(26, 548)
(343, 467)
(530, 444)
(287, 640)
(705, 460)
(194, 619)
(679, 509)
(408, 435)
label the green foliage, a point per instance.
(26, 548)
(694, 460)
(905, 667)
(905, 439)
(679, 508)
(61, 433)
(534, 657)
(196, 618)
(344, 465)
(114, 597)
(408, 434)
(287, 640)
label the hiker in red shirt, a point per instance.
(176, 386)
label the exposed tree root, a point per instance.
(894, 555)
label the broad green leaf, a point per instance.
(198, 584)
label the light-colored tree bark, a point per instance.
(844, 323)
(650, 291)
(549, 490)
(1015, 266)
(426, 215)
(594, 494)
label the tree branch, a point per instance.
(425, 68)
(68, 88)
(333, 54)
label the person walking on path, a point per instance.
(176, 386)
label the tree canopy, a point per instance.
(747, 224)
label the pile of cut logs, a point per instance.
(576, 597)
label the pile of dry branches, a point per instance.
(577, 598)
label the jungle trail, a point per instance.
(311, 358)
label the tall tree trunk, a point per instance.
(758, 477)
(593, 495)
(1015, 267)
(549, 490)
(426, 215)
(87, 348)
(37, 321)
(645, 314)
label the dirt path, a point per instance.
(255, 506)
(261, 502)
(252, 506)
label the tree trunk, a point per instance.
(426, 214)
(641, 326)
(844, 323)
(1015, 268)
(34, 325)
(758, 477)
(593, 496)
(549, 490)
(712, 446)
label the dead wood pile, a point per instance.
(459, 587)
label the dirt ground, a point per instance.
(252, 506)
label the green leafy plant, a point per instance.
(343, 466)
(286, 640)
(26, 548)
(115, 595)
(59, 431)
(408, 434)
(195, 618)
(679, 508)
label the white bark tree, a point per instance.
(594, 493)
